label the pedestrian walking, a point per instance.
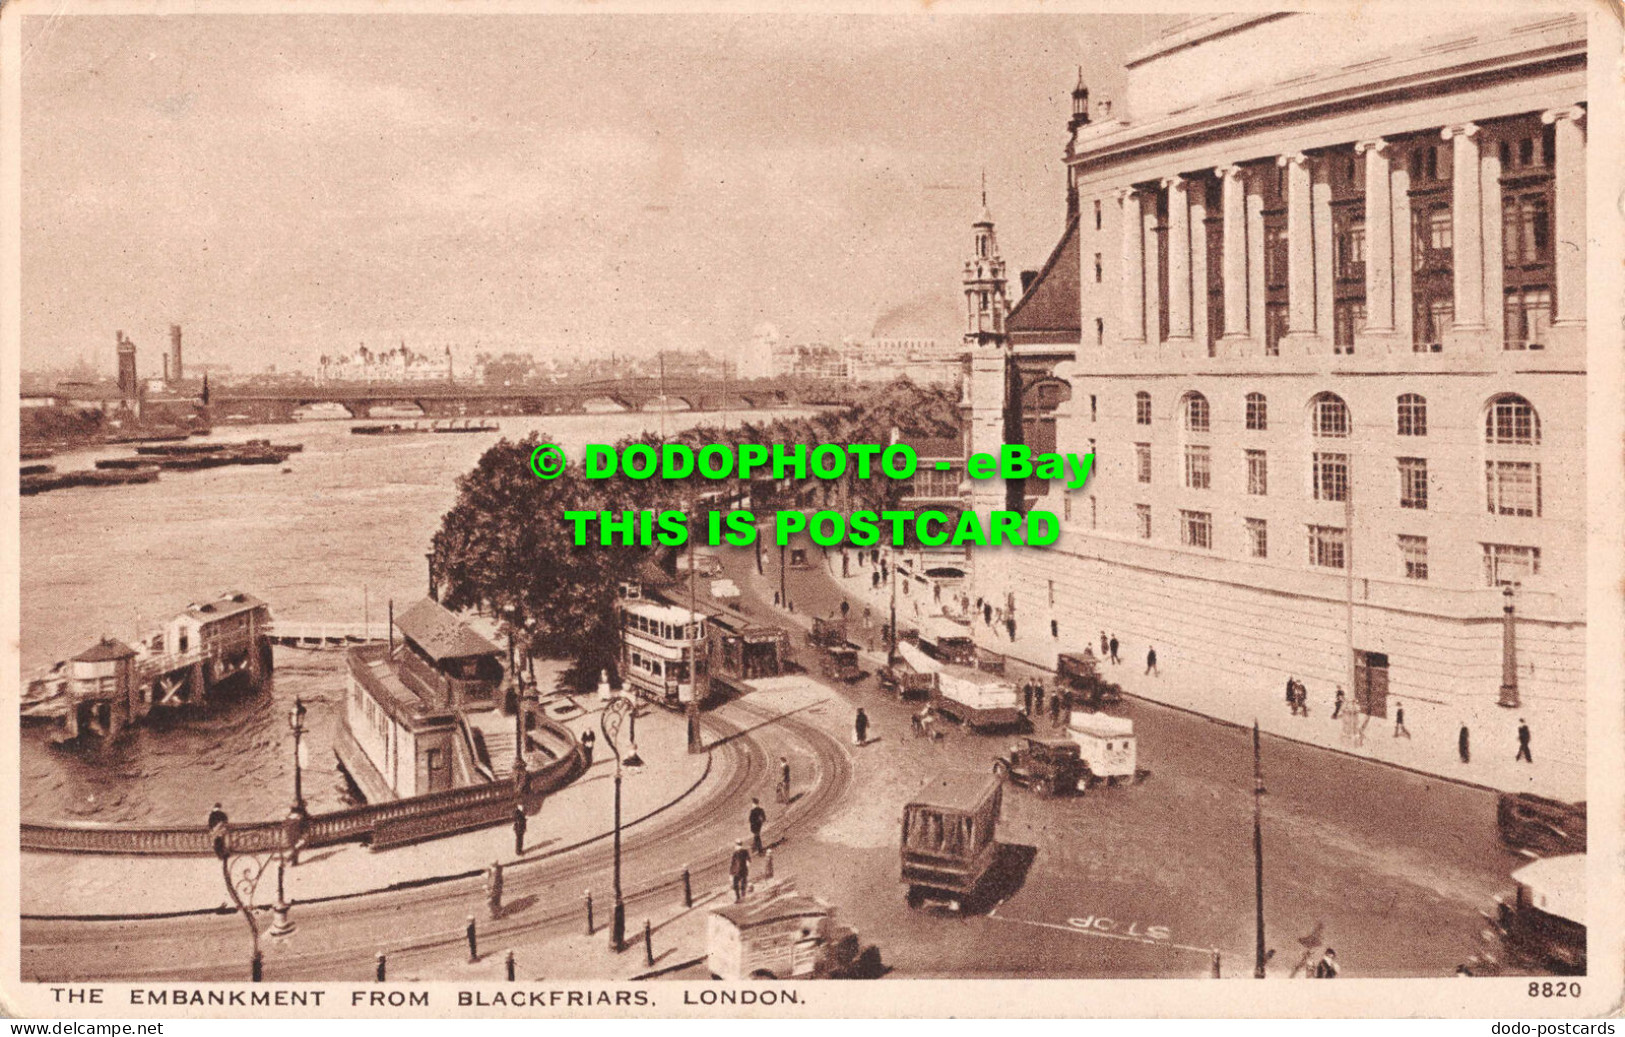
(473, 941)
(1523, 743)
(1151, 662)
(860, 727)
(1038, 698)
(739, 869)
(1328, 968)
(784, 779)
(1113, 646)
(1399, 721)
(520, 823)
(1027, 698)
(1055, 708)
(1337, 703)
(1292, 695)
(874, 580)
(493, 889)
(1303, 699)
(846, 606)
(1463, 747)
(758, 818)
(777, 600)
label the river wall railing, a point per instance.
(382, 825)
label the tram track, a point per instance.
(430, 919)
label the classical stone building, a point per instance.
(1331, 358)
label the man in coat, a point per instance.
(758, 818)
(519, 826)
(860, 727)
(739, 869)
(1523, 743)
(1327, 967)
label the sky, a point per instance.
(289, 186)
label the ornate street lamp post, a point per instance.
(296, 720)
(609, 722)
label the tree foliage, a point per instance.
(506, 548)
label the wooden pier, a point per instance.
(326, 635)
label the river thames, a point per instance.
(331, 540)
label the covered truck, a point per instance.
(778, 933)
(1106, 743)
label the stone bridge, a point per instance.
(442, 400)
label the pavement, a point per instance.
(1429, 747)
(671, 778)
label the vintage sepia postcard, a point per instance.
(615, 509)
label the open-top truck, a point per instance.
(778, 933)
(947, 640)
(977, 700)
(913, 675)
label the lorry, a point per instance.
(913, 674)
(976, 700)
(1106, 744)
(1544, 925)
(948, 845)
(1078, 673)
(1048, 766)
(778, 933)
(947, 640)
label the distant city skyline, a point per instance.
(288, 186)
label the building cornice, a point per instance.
(1560, 43)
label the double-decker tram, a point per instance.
(663, 652)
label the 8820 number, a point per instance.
(1549, 989)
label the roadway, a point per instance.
(1387, 866)
(420, 929)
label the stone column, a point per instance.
(1153, 265)
(1379, 239)
(1489, 182)
(1197, 191)
(1179, 259)
(1569, 221)
(1234, 182)
(1404, 303)
(1132, 315)
(1467, 228)
(1300, 241)
(1325, 289)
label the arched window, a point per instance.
(1413, 415)
(1329, 416)
(1198, 416)
(1258, 414)
(1511, 464)
(1511, 419)
(1142, 408)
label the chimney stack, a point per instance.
(175, 370)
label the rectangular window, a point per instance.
(1094, 516)
(1331, 476)
(1097, 214)
(1526, 237)
(1275, 256)
(1348, 318)
(1142, 460)
(1509, 563)
(1142, 516)
(1092, 407)
(1275, 327)
(1196, 529)
(1326, 546)
(1198, 468)
(1258, 544)
(1066, 508)
(1413, 415)
(1528, 318)
(1100, 331)
(1350, 251)
(1512, 488)
(1098, 268)
(1142, 408)
(1258, 473)
(1413, 551)
(1413, 483)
